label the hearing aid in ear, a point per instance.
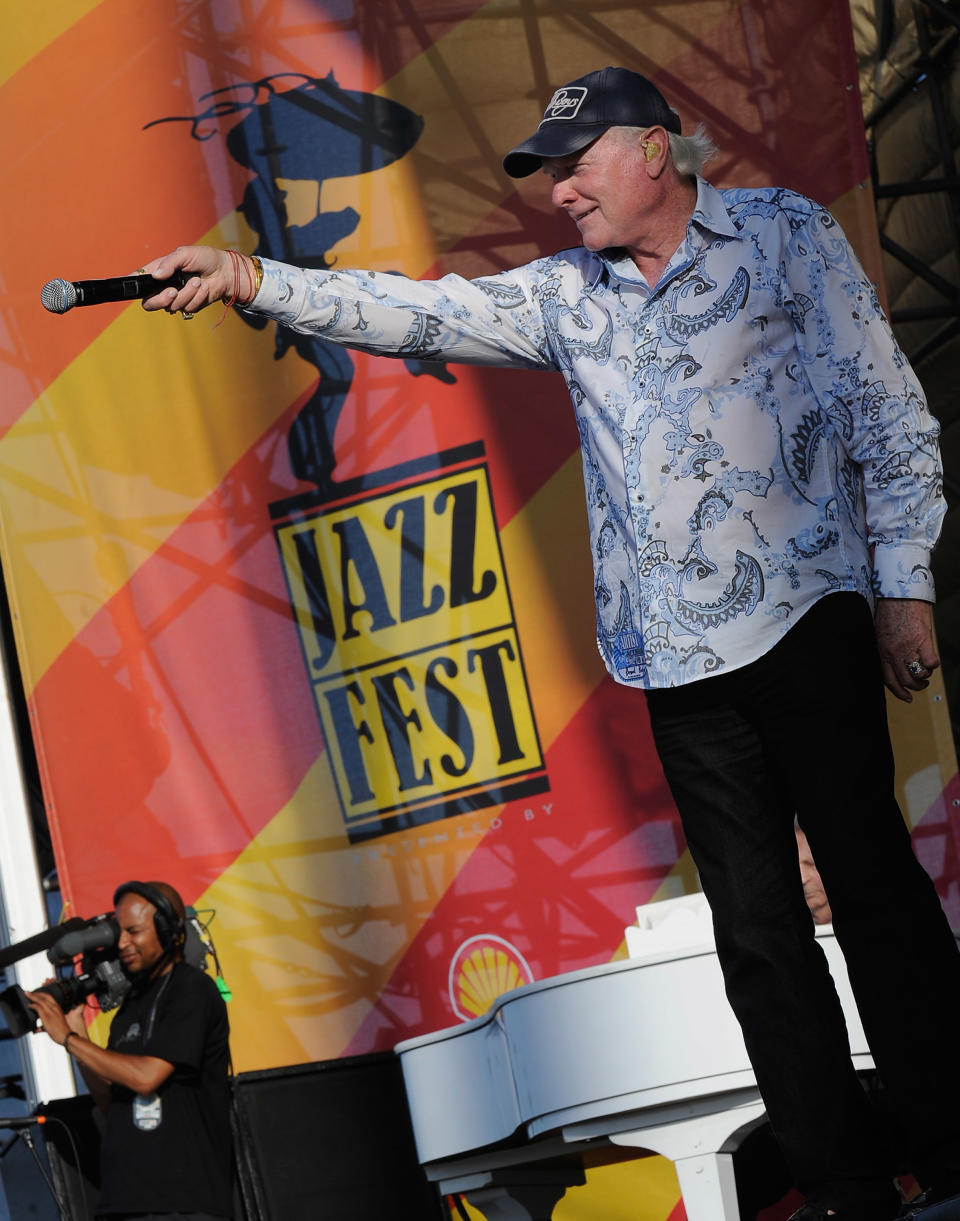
(651, 150)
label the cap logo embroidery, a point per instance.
(565, 103)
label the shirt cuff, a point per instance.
(281, 294)
(902, 570)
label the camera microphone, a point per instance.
(40, 941)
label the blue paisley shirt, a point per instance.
(752, 436)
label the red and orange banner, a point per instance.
(307, 633)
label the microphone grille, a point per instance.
(58, 296)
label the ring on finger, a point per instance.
(916, 668)
(187, 316)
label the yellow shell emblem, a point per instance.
(482, 969)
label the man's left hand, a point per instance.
(908, 655)
(52, 1018)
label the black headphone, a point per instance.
(170, 928)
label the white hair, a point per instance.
(689, 153)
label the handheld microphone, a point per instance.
(60, 295)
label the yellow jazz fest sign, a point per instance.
(409, 639)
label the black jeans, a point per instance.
(803, 731)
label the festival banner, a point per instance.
(307, 633)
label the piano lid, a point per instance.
(603, 1042)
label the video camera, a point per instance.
(98, 973)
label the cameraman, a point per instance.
(163, 1076)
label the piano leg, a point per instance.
(698, 1149)
(708, 1187)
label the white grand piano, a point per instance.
(643, 1052)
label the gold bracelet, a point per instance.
(257, 277)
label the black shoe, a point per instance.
(933, 1205)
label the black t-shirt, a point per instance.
(173, 1152)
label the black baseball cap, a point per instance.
(583, 109)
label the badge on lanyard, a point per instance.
(147, 1111)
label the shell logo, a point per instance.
(482, 969)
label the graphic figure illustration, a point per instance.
(314, 131)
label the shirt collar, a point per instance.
(709, 213)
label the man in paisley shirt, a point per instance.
(764, 491)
